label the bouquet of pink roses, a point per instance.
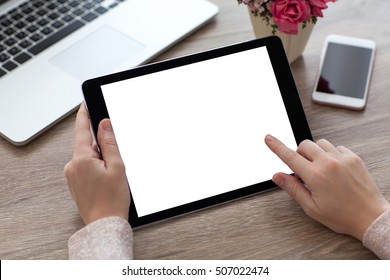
(287, 14)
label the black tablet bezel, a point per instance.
(97, 109)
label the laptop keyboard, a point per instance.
(35, 25)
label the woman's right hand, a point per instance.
(335, 189)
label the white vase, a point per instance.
(293, 44)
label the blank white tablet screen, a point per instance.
(196, 131)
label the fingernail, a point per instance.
(269, 138)
(106, 124)
(278, 180)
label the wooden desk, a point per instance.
(37, 215)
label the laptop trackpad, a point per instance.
(97, 54)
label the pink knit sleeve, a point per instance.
(377, 236)
(106, 238)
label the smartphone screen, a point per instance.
(345, 70)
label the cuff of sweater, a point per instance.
(377, 236)
(106, 238)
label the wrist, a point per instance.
(100, 214)
(369, 218)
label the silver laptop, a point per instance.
(49, 47)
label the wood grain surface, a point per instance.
(37, 215)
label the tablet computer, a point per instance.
(191, 130)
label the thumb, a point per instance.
(294, 188)
(107, 143)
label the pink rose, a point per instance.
(317, 6)
(287, 14)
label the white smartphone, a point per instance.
(345, 72)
